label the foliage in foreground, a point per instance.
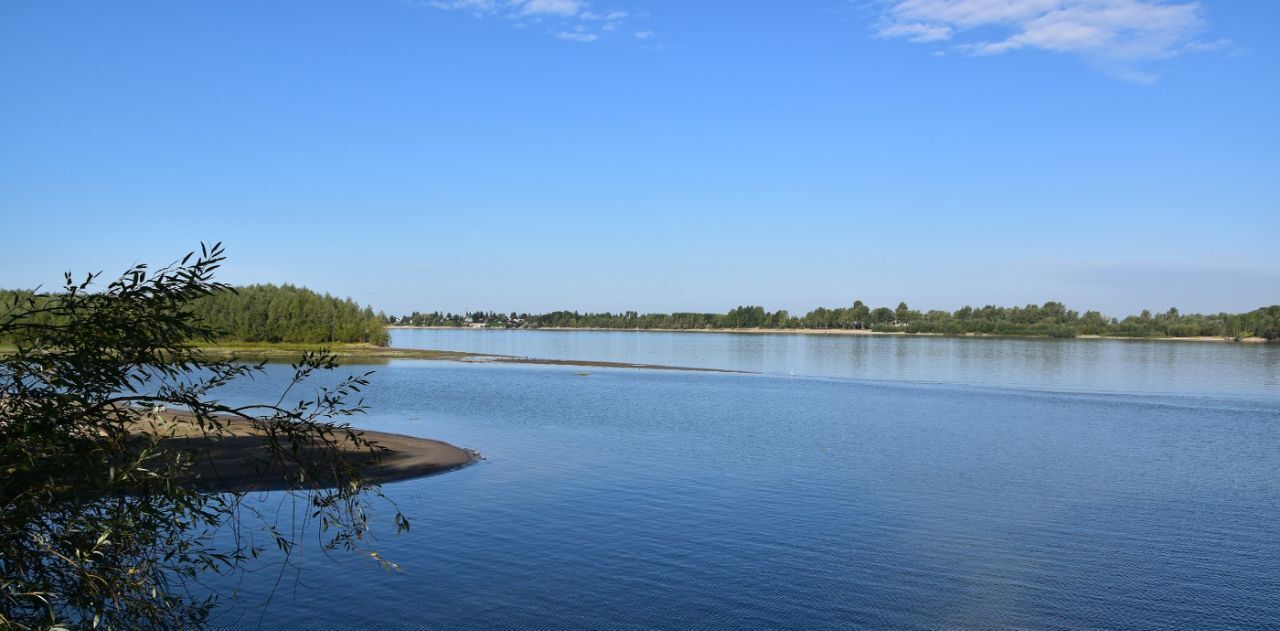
(1051, 319)
(100, 524)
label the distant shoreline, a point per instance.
(365, 353)
(848, 332)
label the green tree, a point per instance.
(861, 313)
(881, 315)
(104, 520)
(285, 313)
(902, 313)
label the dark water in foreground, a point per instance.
(635, 499)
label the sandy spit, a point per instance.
(235, 462)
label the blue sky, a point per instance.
(542, 154)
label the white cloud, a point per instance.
(563, 8)
(610, 16)
(643, 35)
(572, 20)
(475, 6)
(917, 31)
(1120, 36)
(576, 36)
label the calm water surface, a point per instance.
(1129, 366)
(896, 483)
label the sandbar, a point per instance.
(236, 460)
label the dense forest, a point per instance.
(1051, 319)
(271, 313)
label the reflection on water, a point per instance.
(1184, 368)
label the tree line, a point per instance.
(1052, 319)
(274, 313)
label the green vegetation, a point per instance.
(103, 522)
(1051, 319)
(272, 314)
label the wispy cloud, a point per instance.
(571, 20)
(1123, 37)
(562, 8)
(577, 35)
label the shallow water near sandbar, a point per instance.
(967, 497)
